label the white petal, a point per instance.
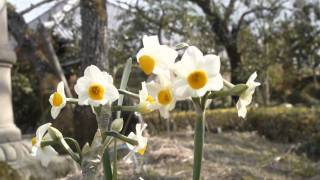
(145, 51)
(143, 93)
(83, 99)
(34, 150)
(41, 131)
(246, 99)
(211, 64)
(165, 57)
(60, 89)
(252, 77)
(153, 88)
(97, 103)
(55, 112)
(194, 55)
(143, 141)
(181, 89)
(164, 79)
(242, 110)
(183, 68)
(200, 92)
(92, 72)
(140, 128)
(164, 112)
(131, 136)
(107, 77)
(150, 41)
(46, 155)
(215, 83)
(111, 93)
(172, 105)
(82, 85)
(51, 99)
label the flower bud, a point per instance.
(117, 125)
(55, 133)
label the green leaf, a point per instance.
(124, 82)
(106, 164)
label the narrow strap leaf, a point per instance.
(106, 164)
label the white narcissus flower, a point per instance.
(142, 141)
(197, 74)
(155, 58)
(246, 97)
(96, 87)
(44, 154)
(57, 100)
(163, 94)
(145, 100)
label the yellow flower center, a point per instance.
(197, 79)
(142, 150)
(147, 64)
(165, 97)
(96, 91)
(57, 99)
(33, 141)
(150, 99)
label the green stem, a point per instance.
(124, 108)
(115, 160)
(228, 84)
(76, 144)
(235, 91)
(198, 144)
(72, 100)
(48, 143)
(67, 148)
(121, 137)
(122, 91)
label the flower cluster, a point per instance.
(194, 77)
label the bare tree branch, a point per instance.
(52, 56)
(229, 10)
(243, 16)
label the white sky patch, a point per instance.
(24, 4)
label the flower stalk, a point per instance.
(198, 142)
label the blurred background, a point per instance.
(280, 39)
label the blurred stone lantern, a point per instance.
(10, 136)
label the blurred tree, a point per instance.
(93, 44)
(226, 27)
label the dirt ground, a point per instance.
(231, 155)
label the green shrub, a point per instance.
(276, 123)
(284, 124)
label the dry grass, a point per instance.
(231, 155)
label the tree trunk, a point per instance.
(94, 33)
(93, 51)
(235, 62)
